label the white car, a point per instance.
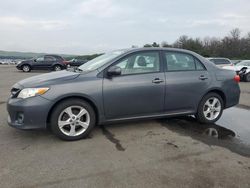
(242, 68)
(221, 62)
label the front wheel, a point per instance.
(210, 108)
(26, 68)
(72, 119)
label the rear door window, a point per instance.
(49, 58)
(177, 61)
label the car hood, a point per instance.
(25, 61)
(48, 78)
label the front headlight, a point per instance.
(31, 92)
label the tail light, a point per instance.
(237, 78)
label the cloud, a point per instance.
(98, 8)
(86, 26)
(43, 24)
(16, 21)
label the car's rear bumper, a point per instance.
(232, 96)
(30, 113)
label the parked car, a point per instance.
(242, 69)
(77, 62)
(46, 62)
(220, 62)
(235, 62)
(123, 85)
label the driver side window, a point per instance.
(142, 62)
(40, 59)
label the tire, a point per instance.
(247, 77)
(26, 68)
(210, 108)
(72, 127)
(57, 67)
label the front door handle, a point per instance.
(157, 81)
(202, 77)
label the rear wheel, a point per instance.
(72, 119)
(210, 108)
(247, 77)
(26, 68)
(57, 68)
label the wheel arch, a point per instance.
(219, 92)
(87, 99)
(57, 64)
(26, 64)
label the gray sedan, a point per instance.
(123, 85)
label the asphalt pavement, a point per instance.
(173, 152)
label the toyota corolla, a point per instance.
(123, 85)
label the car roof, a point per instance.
(155, 48)
(217, 58)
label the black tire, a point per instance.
(200, 112)
(247, 77)
(26, 68)
(61, 107)
(57, 67)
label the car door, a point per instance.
(186, 81)
(39, 63)
(49, 61)
(139, 90)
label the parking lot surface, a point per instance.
(174, 152)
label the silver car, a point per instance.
(123, 85)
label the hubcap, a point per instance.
(212, 108)
(26, 68)
(57, 68)
(73, 120)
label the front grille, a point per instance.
(14, 92)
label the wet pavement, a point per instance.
(232, 131)
(171, 152)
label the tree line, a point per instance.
(233, 46)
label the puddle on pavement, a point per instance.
(232, 131)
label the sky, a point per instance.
(94, 26)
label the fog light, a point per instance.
(20, 118)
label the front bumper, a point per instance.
(30, 113)
(18, 67)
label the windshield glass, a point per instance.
(100, 61)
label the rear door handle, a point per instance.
(157, 81)
(202, 77)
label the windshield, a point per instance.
(100, 61)
(244, 63)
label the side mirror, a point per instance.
(114, 71)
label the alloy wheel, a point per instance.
(26, 68)
(57, 68)
(74, 120)
(212, 108)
